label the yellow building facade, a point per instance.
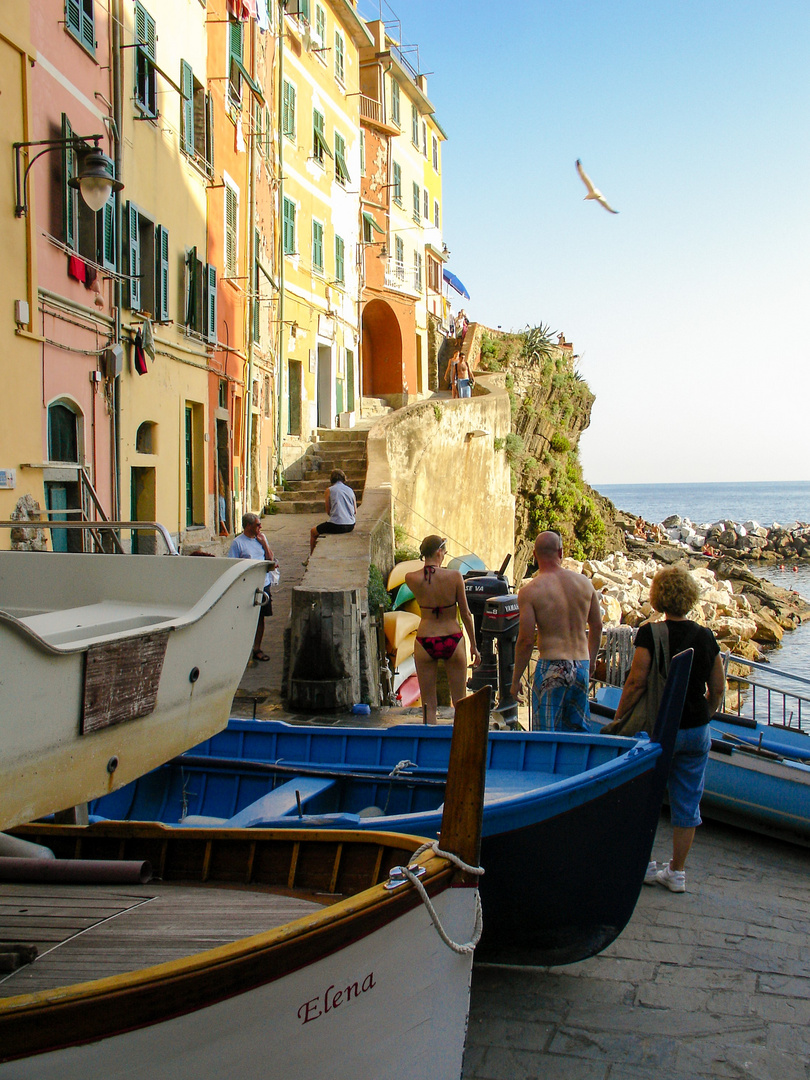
(319, 159)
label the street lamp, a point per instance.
(95, 177)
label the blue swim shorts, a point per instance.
(686, 775)
(560, 696)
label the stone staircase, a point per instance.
(374, 408)
(336, 449)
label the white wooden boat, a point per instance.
(111, 664)
(360, 984)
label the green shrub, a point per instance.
(514, 446)
(498, 442)
(405, 554)
(437, 412)
(559, 443)
(377, 593)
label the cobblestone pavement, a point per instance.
(711, 983)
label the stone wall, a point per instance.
(435, 466)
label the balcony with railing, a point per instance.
(400, 277)
(371, 109)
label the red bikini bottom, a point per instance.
(442, 647)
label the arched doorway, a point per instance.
(63, 495)
(382, 350)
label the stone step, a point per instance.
(302, 506)
(337, 452)
(311, 489)
(341, 435)
(376, 407)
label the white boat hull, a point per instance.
(392, 1004)
(111, 665)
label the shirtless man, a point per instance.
(464, 379)
(564, 609)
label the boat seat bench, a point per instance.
(280, 802)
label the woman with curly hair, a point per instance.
(675, 592)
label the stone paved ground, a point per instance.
(712, 983)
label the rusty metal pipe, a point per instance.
(76, 871)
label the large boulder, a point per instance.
(768, 630)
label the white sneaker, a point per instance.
(674, 880)
(650, 877)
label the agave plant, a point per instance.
(537, 343)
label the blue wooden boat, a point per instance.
(758, 775)
(569, 819)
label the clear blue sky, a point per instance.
(690, 308)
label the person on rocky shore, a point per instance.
(675, 592)
(562, 608)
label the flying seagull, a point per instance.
(593, 192)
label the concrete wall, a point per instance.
(435, 466)
(446, 475)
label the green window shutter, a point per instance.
(341, 169)
(133, 256)
(162, 273)
(320, 24)
(187, 108)
(319, 145)
(268, 132)
(317, 245)
(340, 259)
(417, 203)
(234, 55)
(395, 102)
(70, 208)
(231, 232)
(397, 184)
(210, 328)
(340, 56)
(289, 227)
(192, 281)
(106, 235)
(145, 30)
(209, 134)
(303, 9)
(414, 125)
(288, 110)
(88, 34)
(73, 16)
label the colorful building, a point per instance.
(319, 158)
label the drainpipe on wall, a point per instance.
(281, 351)
(250, 248)
(119, 251)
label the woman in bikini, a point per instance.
(441, 597)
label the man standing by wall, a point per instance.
(252, 544)
(563, 608)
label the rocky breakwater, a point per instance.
(746, 614)
(743, 540)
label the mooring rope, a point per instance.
(433, 846)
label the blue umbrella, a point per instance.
(451, 279)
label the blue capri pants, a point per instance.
(687, 774)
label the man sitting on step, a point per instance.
(341, 506)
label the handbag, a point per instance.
(643, 714)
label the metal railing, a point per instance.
(371, 109)
(401, 277)
(97, 528)
(756, 700)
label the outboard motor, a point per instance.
(495, 615)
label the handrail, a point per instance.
(136, 526)
(768, 668)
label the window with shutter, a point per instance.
(317, 246)
(289, 226)
(145, 56)
(194, 292)
(426, 204)
(210, 325)
(340, 260)
(320, 27)
(397, 185)
(231, 231)
(415, 126)
(161, 274)
(79, 20)
(268, 133)
(107, 254)
(424, 139)
(341, 168)
(288, 110)
(399, 248)
(69, 194)
(395, 102)
(340, 57)
(132, 240)
(417, 203)
(436, 213)
(258, 125)
(187, 108)
(435, 153)
(417, 270)
(235, 46)
(319, 145)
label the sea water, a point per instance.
(765, 503)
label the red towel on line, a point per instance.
(76, 268)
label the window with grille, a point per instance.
(79, 21)
(145, 57)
